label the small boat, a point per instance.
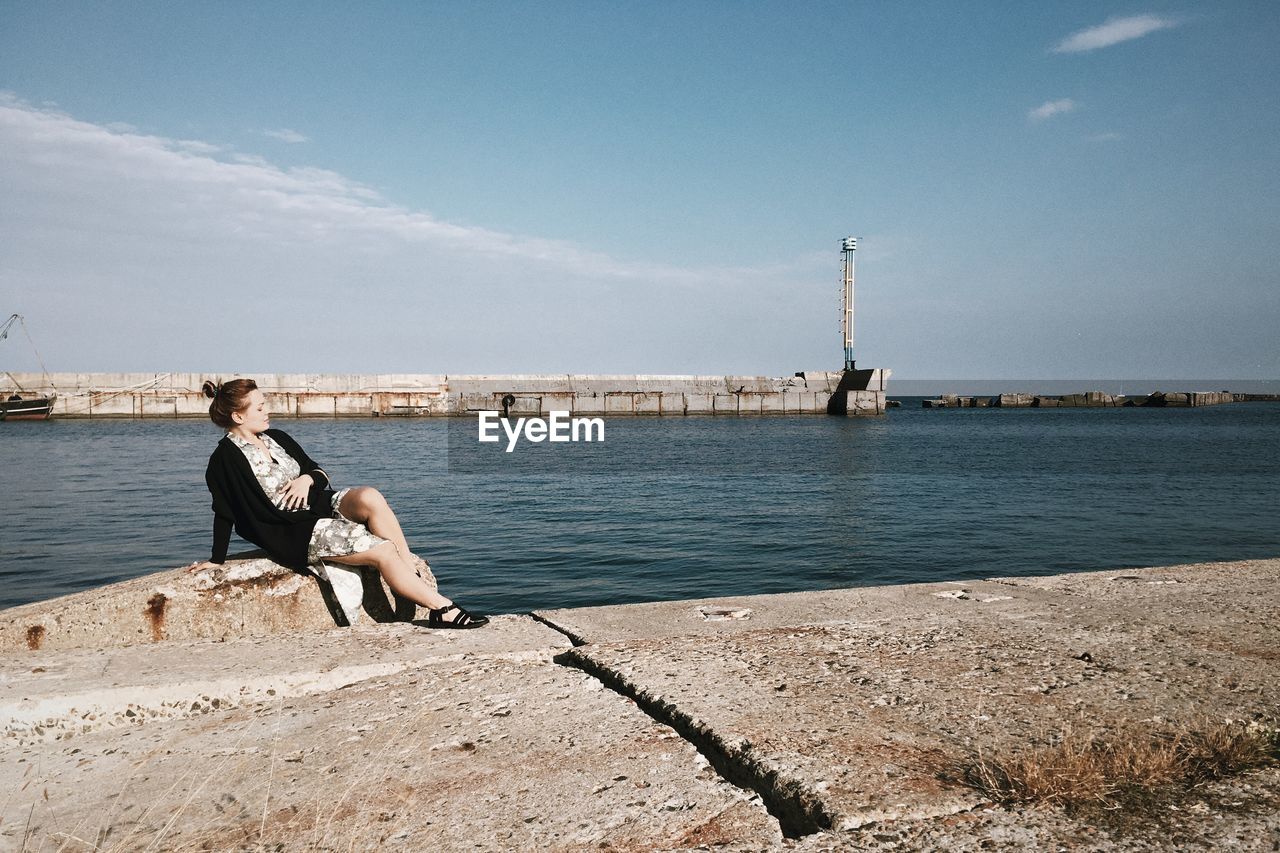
(19, 408)
(22, 405)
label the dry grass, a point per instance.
(1131, 771)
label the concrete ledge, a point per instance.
(805, 721)
(248, 596)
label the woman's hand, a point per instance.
(294, 495)
(200, 566)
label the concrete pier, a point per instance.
(807, 721)
(176, 395)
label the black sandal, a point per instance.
(462, 620)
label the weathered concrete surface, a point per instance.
(857, 403)
(1088, 400)
(171, 395)
(845, 706)
(56, 695)
(1240, 813)
(847, 710)
(378, 736)
(1016, 401)
(249, 595)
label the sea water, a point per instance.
(677, 507)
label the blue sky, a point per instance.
(1041, 190)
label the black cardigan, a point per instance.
(238, 499)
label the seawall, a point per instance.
(176, 395)
(1091, 400)
(840, 719)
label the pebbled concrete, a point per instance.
(382, 736)
(811, 721)
(47, 696)
(1241, 814)
(846, 707)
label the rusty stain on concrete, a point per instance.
(35, 634)
(155, 615)
(267, 583)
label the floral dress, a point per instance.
(336, 536)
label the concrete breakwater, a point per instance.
(1088, 400)
(840, 719)
(176, 395)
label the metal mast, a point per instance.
(846, 324)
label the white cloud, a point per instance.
(1049, 109)
(156, 252)
(196, 146)
(301, 197)
(1115, 31)
(284, 134)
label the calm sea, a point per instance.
(686, 507)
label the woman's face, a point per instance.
(254, 417)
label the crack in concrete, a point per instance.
(796, 806)
(573, 638)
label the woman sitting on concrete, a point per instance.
(264, 483)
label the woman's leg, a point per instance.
(399, 574)
(367, 506)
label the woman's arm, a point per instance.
(221, 539)
(222, 517)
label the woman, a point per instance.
(279, 499)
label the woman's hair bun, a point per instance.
(228, 398)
